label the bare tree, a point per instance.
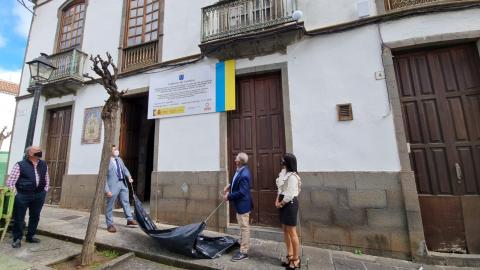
(4, 135)
(109, 117)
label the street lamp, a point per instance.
(40, 71)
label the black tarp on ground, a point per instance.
(185, 240)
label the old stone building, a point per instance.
(379, 100)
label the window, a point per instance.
(143, 21)
(71, 31)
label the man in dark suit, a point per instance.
(238, 192)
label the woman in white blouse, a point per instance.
(288, 184)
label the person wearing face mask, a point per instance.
(29, 179)
(116, 187)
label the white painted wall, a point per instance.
(182, 27)
(336, 69)
(190, 143)
(261, 61)
(432, 25)
(324, 13)
(102, 28)
(7, 113)
(22, 118)
(85, 158)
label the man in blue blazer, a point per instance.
(116, 187)
(238, 192)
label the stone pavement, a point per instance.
(71, 225)
(142, 264)
(36, 256)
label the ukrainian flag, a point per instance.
(225, 86)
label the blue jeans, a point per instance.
(121, 191)
(34, 203)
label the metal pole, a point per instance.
(33, 116)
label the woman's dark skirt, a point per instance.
(289, 212)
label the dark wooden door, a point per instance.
(440, 96)
(58, 138)
(257, 128)
(129, 127)
(136, 143)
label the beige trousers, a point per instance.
(244, 223)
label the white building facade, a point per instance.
(381, 112)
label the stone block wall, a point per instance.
(181, 198)
(355, 211)
(78, 191)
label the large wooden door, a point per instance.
(136, 143)
(58, 138)
(440, 96)
(257, 128)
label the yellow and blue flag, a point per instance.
(225, 86)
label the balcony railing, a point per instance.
(68, 76)
(401, 4)
(229, 18)
(140, 56)
(69, 65)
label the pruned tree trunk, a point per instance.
(109, 118)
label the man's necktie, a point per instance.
(119, 171)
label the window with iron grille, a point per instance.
(72, 24)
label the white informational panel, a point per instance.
(182, 92)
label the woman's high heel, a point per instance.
(295, 266)
(286, 264)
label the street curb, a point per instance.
(66, 259)
(117, 261)
(163, 259)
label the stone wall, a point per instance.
(78, 191)
(352, 211)
(181, 198)
(355, 211)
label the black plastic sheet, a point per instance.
(186, 240)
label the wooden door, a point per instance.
(129, 126)
(58, 138)
(136, 143)
(440, 96)
(257, 128)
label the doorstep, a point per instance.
(460, 260)
(258, 232)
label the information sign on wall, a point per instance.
(197, 89)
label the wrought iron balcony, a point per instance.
(69, 65)
(393, 5)
(69, 73)
(234, 17)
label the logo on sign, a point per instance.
(207, 107)
(181, 77)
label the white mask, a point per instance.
(116, 153)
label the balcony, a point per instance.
(140, 56)
(395, 5)
(68, 76)
(229, 20)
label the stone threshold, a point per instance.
(451, 259)
(259, 232)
